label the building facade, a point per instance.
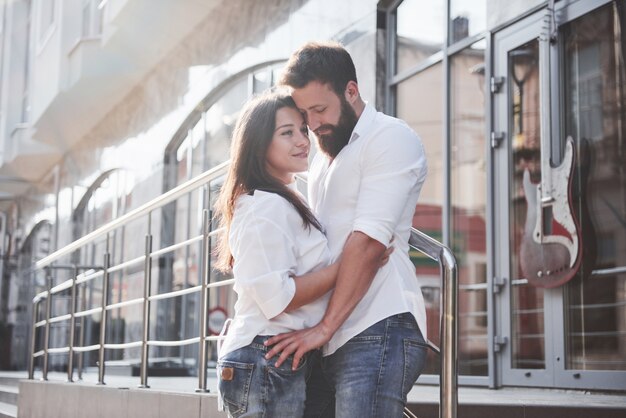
(107, 104)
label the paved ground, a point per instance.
(419, 393)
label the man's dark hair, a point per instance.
(326, 62)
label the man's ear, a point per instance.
(352, 92)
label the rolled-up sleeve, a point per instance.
(393, 167)
(265, 261)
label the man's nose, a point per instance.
(313, 122)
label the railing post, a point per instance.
(81, 334)
(46, 338)
(70, 358)
(103, 313)
(204, 302)
(31, 363)
(147, 284)
(448, 335)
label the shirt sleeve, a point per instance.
(265, 259)
(393, 164)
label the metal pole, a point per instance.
(31, 363)
(103, 314)
(204, 302)
(448, 396)
(46, 338)
(81, 334)
(70, 358)
(147, 283)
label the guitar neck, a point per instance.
(545, 110)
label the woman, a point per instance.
(278, 255)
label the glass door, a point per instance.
(559, 154)
(520, 341)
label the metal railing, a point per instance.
(418, 240)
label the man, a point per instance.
(363, 187)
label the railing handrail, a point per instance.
(418, 240)
(448, 333)
(142, 210)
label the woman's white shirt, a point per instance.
(270, 245)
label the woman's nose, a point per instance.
(302, 139)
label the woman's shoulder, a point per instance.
(264, 205)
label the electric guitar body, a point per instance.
(551, 249)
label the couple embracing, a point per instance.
(330, 319)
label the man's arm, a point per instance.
(360, 260)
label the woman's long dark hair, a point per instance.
(251, 138)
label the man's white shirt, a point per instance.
(372, 186)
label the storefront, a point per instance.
(494, 92)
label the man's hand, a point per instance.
(297, 343)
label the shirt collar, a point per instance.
(363, 124)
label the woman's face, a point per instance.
(289, 150)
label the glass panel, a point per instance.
(467, 18)
(469, 203)
(46, 16)
(527, 305)
(220, 122)
(595, 106)
(419, 31)
(86, 27)
(419, 103)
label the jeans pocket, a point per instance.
(234, 385)
(414, 361)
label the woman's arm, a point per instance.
(313, 285)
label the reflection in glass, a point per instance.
(469, 197)
(419, 103)
(595, 104)
(419, 31)
(527, 305)
(467, 18)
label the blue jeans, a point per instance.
(371, 375)
(251, 386)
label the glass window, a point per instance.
(527, 302)
(595, 105)
(467, 18)
(419, 103)
(92, 18)
(469, 204)
(25, 113)
(46, 17)
(419, 31)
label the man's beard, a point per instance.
(332, 143)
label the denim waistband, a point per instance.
(257, 342)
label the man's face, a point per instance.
(329, 116)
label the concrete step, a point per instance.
(8, 394)
(476, 402)
(7, 410)
(12, 378)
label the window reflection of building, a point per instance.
(527, 302)
(106, 199)
(203, 141)
(469, 204)
(595, 106)
(419, 101)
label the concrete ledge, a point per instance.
(477, 402)
(38, 399)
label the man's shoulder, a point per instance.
(385, 123)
